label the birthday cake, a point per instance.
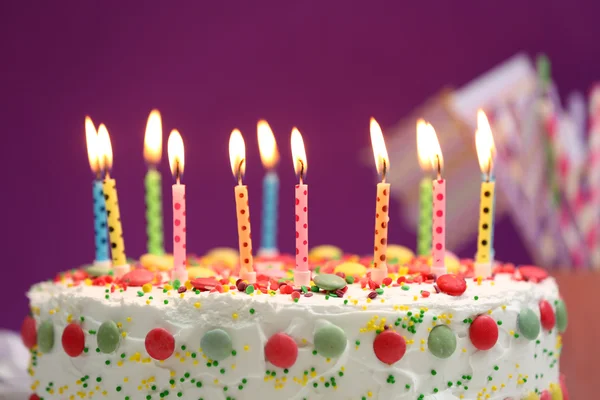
(414, 336)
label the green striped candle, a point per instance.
(153, 185)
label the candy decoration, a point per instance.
(330, 340)
(534, 274)
(216, 344)
(547, 317)
(98, 269)
(73, 340)
(545, 395)
(441, 341)
(100, 230)
(389, 347)
(204, 283)
(108, 337)
(451, 284)
(556, 392)
(34, 397)
(329, 282)
(154, 225)
(115, 229)
(45, 336)
(138, 277)
(160, 344)
(528, 323)
(29, 332)
(281, 350)
(532, 396)
(561, 316)
(483, 332)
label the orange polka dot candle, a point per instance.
(438, 236)
(177, 162)
(484, 143)
(301, 273)
(237, 158)
(115, 229)
(382, 205)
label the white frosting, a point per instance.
(522, 365)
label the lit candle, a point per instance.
(237, 158)
(115, 230)
(152, 155)
(269, 156)
(484, 142)
(425, 194)
(301, 273)
(438, 250)
(100, 231)
(177, 163)
(382, 205)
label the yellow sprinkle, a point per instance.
(225, 288)
(464, 350)
(87, 282)
(148, 302)
(147, 288)
(479, 280)
(168, 287)
(368, 300)
(120, 325)
(197, 305)
(216, 381)
(517, 366)
(128, 319)
(120, 363)
(182, 295)
(246, 348)
(124, 334)
(51, 312)
(126, 379)
(188, 285)
(234, 316)
(69, 318)
(489, 312)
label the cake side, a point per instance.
(404, 341)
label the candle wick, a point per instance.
(489, 171)
(383, 171)
(177, 172)
(439, 167)
(239, 171)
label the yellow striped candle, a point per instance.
(484, 142)
(115, 230)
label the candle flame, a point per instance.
(422, 149)
(382, 161)
(105, 153)
(91, 139)
(484, 143)
(237, 155)
(267, 145)
(176, 154)
(431, 146)
(153, 138)
(299, 154)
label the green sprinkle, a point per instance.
(249, 289)
(433, 372)
(476, 297)
(252, 311)
(166, 301)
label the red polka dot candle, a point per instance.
(301, 273)
(438, 236)
(237, 158)
(484, 142)
(382, 205)
(176, 162)
(115, 229)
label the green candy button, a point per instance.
(216, 344)
(529, 324)
(330, 340)
(45, 336)
(329, 282)
(108, 337)
(561, 316)
(441, 341)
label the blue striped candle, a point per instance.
(269, 215)
(101, 233)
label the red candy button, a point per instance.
(34, 397)
(160, 344)
(545, 395)
(28, 332)
(389, 347)
(451, 284)
(73, 340)
(204, 283)
(138, 277)
(281, 350)
(531, 273)
(563, 387)
(483, 332)
(547, 316)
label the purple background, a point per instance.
(325, 66)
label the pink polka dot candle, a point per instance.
(382, 205)
(438, 235)
(301, 273)
(177, 162)
(237, 158)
